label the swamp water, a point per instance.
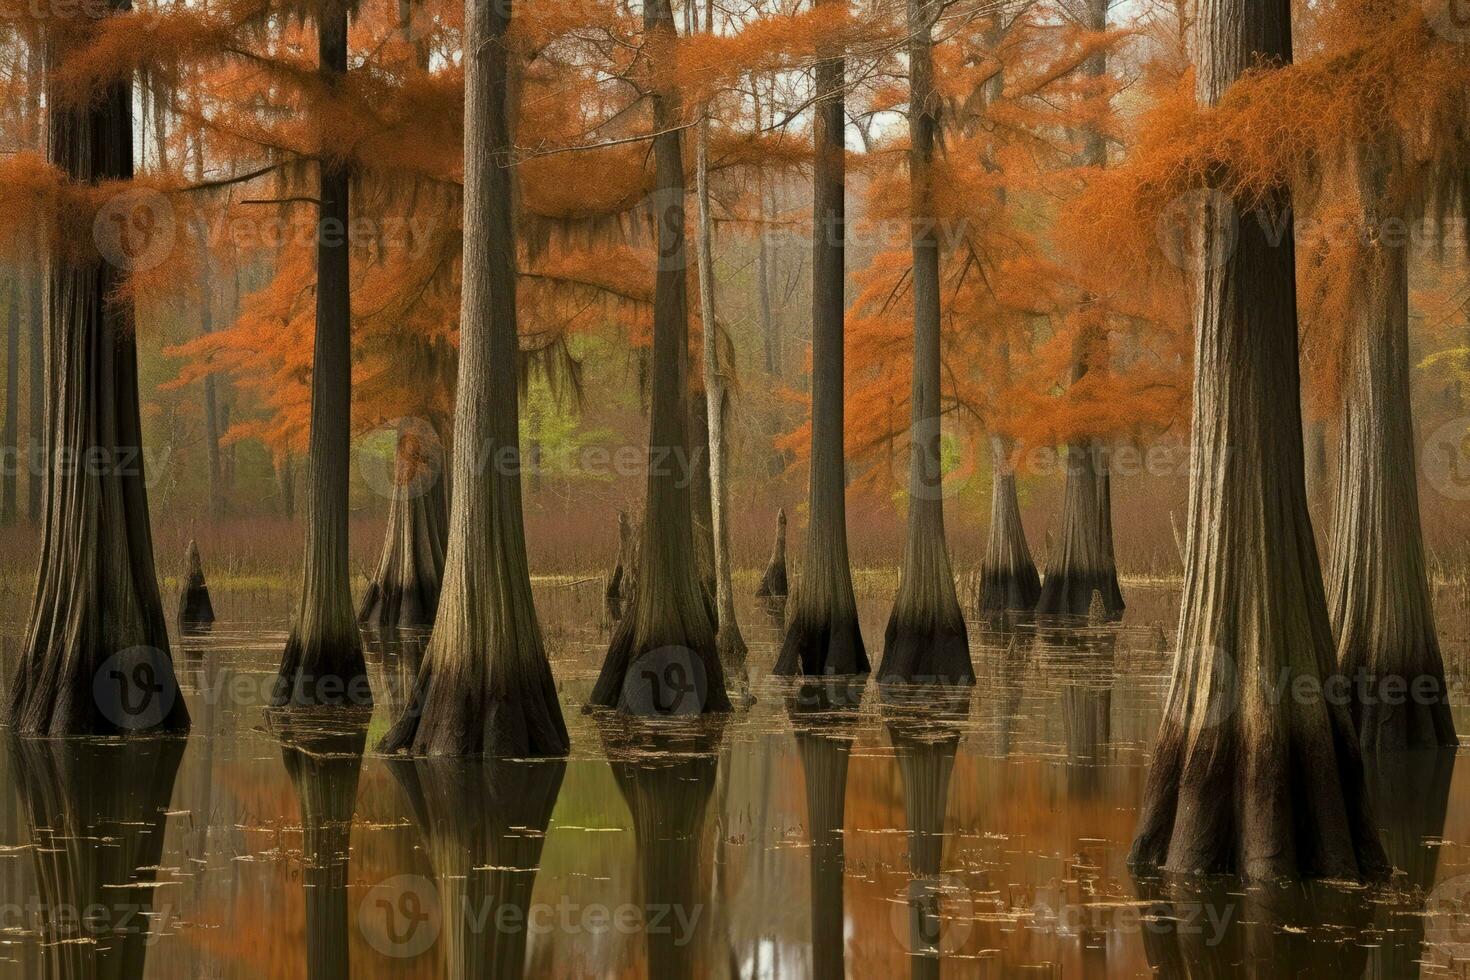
(820, 832)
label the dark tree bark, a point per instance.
(823, 636)
(35, 307)
(1378, 583)
(925, 639)
(404, 591)
(96, 606)
(624, 579)
(1008, 579)
(773, 580)
(925, 726)
(824, 717)
(667, 777)
(1084, 563)
(286, 483)
(10, 435)
(483, 825)
(322, 662)
(98, 841)
(704, 538)
(196, 612)
(485, 687)
(670, 617)
(323, 757)
(213, 429)
(1249, 776)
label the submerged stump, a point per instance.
(196, 612)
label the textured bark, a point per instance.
(667, 777)
(1255, 771)
(486, 686)
(823, 636)
(704, 521)
(404, 591)
(1084, 564)
(729, 642)
(10, 434)
(669, 614)
(773, 580)
(1378, 583)
(925, 727)
(322, 662)
(824, 717)
(97, 839)
(1008, 579)
(35, 306)
(212, 420)
(196, 612)
(286, 483)
(925, 639)
(96, 600)
(483, 825)
(1319, 486)
(1411, 794)
(323, 757)
(623, 581)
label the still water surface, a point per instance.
(828, 832)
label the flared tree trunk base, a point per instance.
(1008, 591)
(1396, 722)
(1069, 593)
(671, 675)
(822, 643)
(925, 651)
(325, 673)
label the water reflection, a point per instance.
(322, 751)
(96, 813)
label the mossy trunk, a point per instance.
(485, 687)
(824, 717)
(404, 591)
(196, 611)
(97, 840)
(925, 639)
(668, 632)
(1009, 583)
(823, 636)
(96, 614)
(483, 826)
(1378, 583)
(322, 662)
(1256, 769)
(323, 758)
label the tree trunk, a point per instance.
(212, 427)
(729, 642)
(286, 484)
(483, 826)
(485, 687)
(1084, 564)
(1381, 604)
(1252, 772)
(773, 580)
(97, 812)
(36, 416)
(323, 758)
(704, 520)
(823, 636)
(1319, 489)
(96, 614)
(9, 438)
(1008, 579)
(665, 643)
(404, 591)
(824, 718)
(323, 662)
(926, 638)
